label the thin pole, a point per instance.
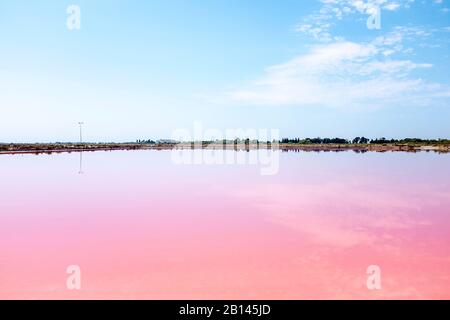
(81, 131)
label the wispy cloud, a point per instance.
(347, 74)
(341, 74)
(319, 24)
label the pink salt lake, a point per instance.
(141, 227)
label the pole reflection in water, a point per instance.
(80, 171)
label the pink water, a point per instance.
(142, 227)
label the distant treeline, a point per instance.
(309, 141)
(364, 140)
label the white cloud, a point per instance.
(391, 6)
(342, 75)
(319, 24)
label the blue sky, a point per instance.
(143, 69)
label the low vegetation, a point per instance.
(358, 144)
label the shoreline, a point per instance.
(88, 147)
